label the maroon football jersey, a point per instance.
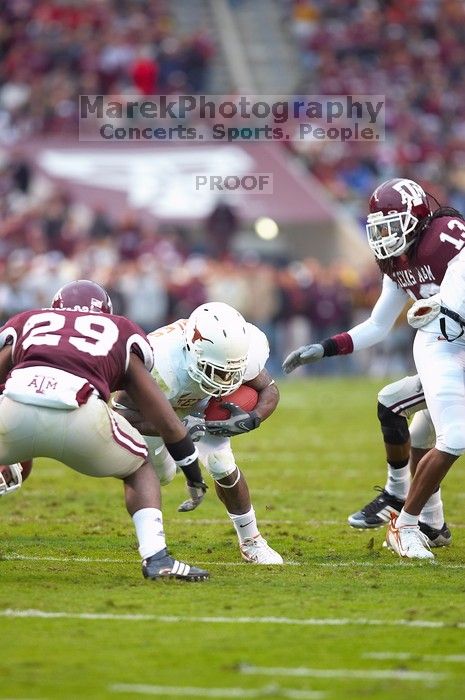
(94, 346)
(440, 242)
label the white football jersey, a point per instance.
(170, 368)
(452, 296)
(452, 290)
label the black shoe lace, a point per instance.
(430, 532)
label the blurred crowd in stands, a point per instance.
(157, 274)
(414, 53)
(52, 51)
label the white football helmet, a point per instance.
(216, 346)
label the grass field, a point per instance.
(343, 619)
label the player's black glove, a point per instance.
(196, 491)
(239, 422)
(195, 424)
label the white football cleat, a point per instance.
(408, 541)
(256, 550)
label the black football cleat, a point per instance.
(437, 538)
(377, 512)
(161, 565)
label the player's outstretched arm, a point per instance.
(382, 318)
(156, 409)
(125, 406)
(151, 401)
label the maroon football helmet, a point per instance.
(396, 207)
(83, 295)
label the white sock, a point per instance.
(433, 511)
(398, 482)
(149, 530)
(406, 520)
(245, 525)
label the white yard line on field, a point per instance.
(325, 564)
(412, 656)
(183, 619)
(345, 673)
(85, 560)
(388, 565)
(165, 690)
(89, 560)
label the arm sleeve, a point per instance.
(383, 316)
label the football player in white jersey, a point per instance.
(211, 354)
(413, 244)
(439, 353)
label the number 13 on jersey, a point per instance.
(446, 238)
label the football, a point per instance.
(245, 397)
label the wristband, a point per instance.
(189, 459)
(340, 344)
(182, 451)
(185, 454)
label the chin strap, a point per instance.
(455, 317)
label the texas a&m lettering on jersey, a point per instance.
(440, 243)
(41, 383)
(414, 276)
